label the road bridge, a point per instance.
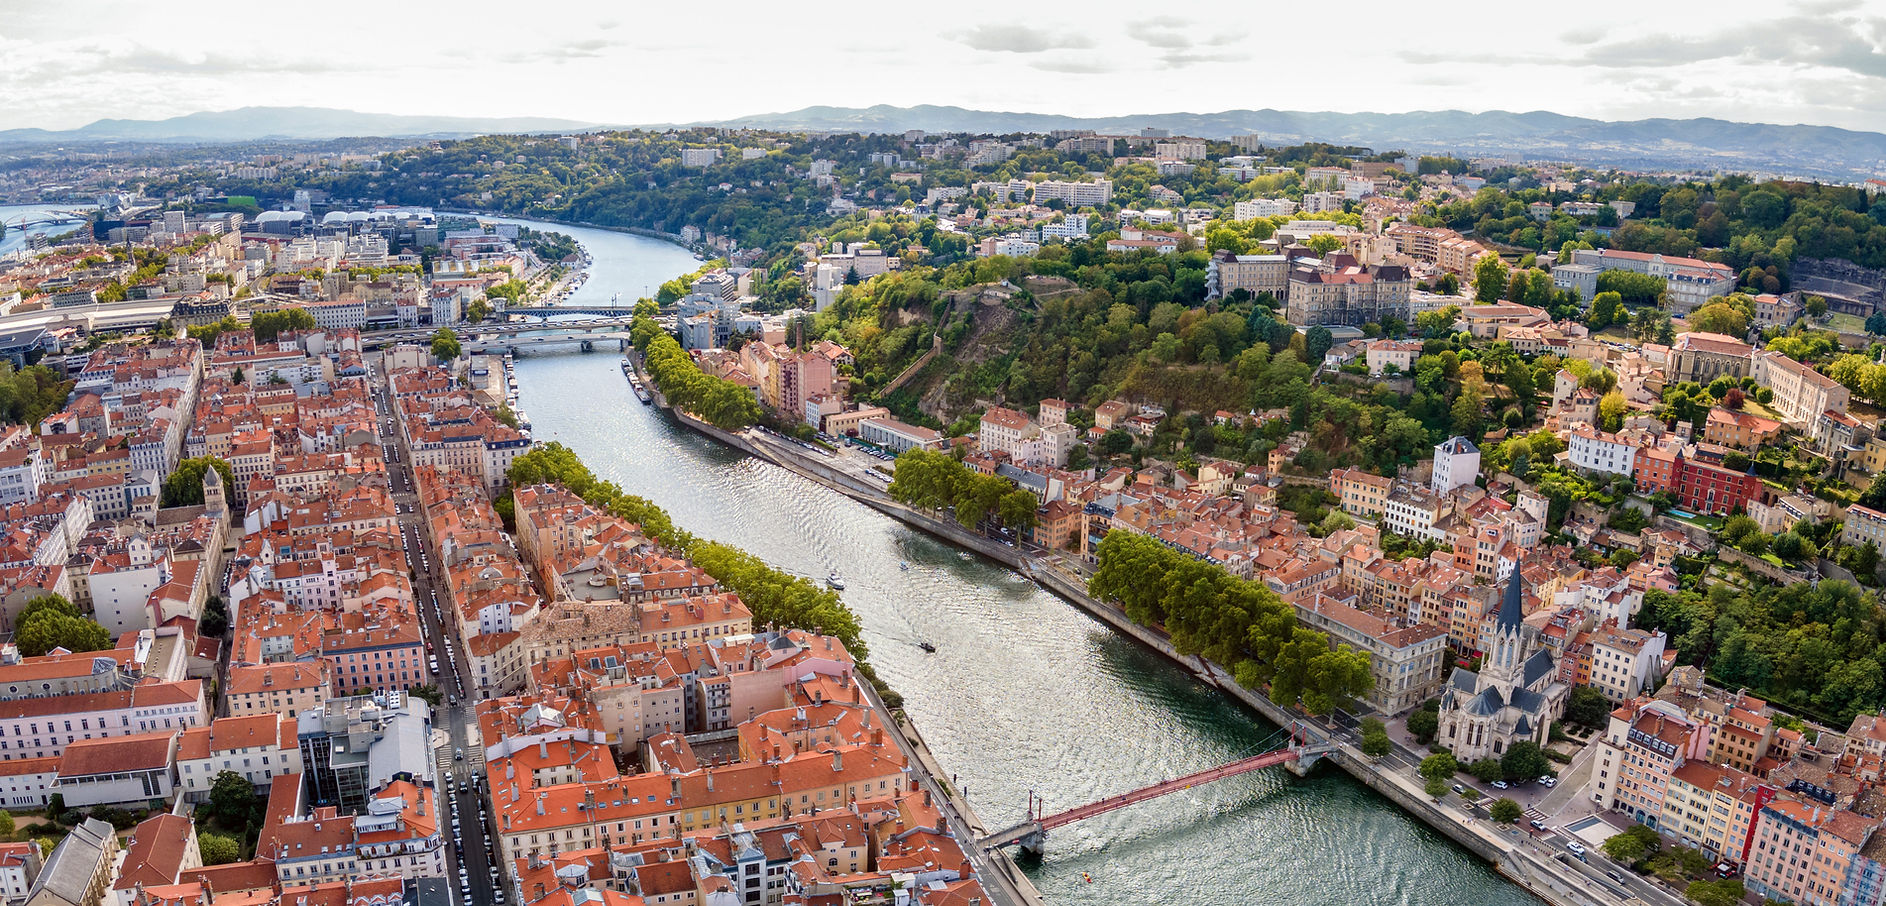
(424, 334)
(40, 218)
(589, 341)
(1032, 834)
(546, 311)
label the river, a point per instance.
(15, 237)
(1025, 691)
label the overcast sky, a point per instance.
(65, 63)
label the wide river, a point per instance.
(1025, 692)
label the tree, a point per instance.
(6, 825)
(1375, 741)
(1017, 509)
(1524, 761)
(1505, 811)
(1317, 341)
(1323, 243)
(1587, 707)
(429, 692)
(1489, 279)
(1611, 408)
(1723, 892)
(50, 621)
(1435, 787)
(217, 849)
(270, 325)
(1487, 770)
(184, 487)
(232, 799)
(445, 346)
(215, 620)
(1720, 317)
(1424, 725)
(1632, 846)
(1605, 308)
(1876, 324)
(1439, 765)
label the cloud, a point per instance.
(1856, 44)
(1184, 43)
(1081, 65)
(1582, 35)
(1020, 39)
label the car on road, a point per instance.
(1460, 789)
(458, 754)
(1537, 825)
(1575, 848)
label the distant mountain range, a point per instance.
(259, 123)
(1712, 143)
(1661, 143)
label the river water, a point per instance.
(1025, 692)
(12, 214)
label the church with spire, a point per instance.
(1515, 696)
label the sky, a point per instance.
(65, 63)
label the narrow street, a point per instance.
(472, 856)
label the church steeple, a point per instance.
(1507, 649)
(1513, 606)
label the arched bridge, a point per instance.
(589, 341)
(546, 311)
(1032, 833)
(38, 218)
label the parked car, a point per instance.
(1501, 785)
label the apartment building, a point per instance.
(1801, 394)
(281, 688)
(1740, 430)
(1699, 487)
(1381, 355)
(1802, 851)
(1404, 661)
(1597, 451)
(43, 727)
(1360, 493)
(1076, 194)
(1644, 745)
(1863, 525)
(1263, 207)
(1690, 282)
(1341, 291)
(1714, 808)
(1227, 273)
(260, 748)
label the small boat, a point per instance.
(902, 564)
(835, 581)
(926, 646)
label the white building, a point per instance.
(1596, 451)
(1078, 194)
(1316, 202)
(1073, 226)
(1456, 465)
(699, 157)
(1263, 207)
